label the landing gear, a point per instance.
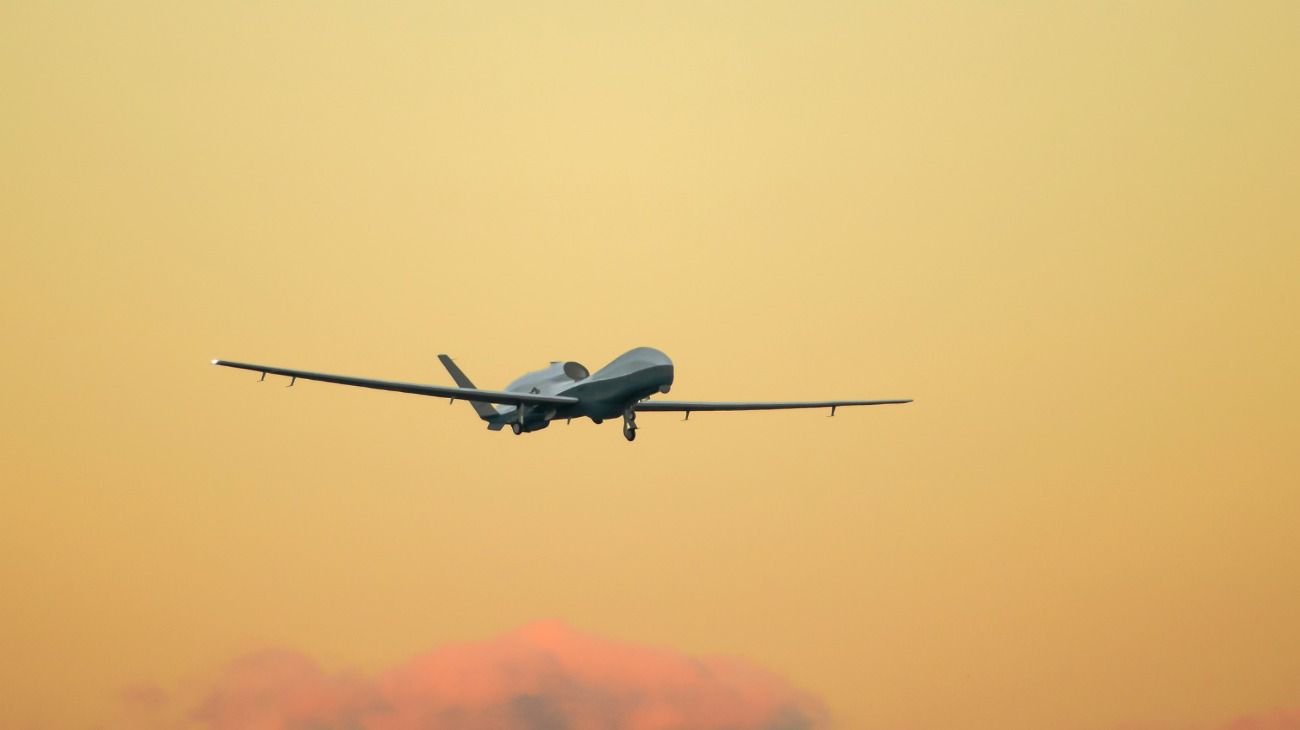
(629, 425)
(517, 425)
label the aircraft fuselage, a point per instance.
(610, 392)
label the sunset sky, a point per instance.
(1070, 231)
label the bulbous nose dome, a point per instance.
(648, 355)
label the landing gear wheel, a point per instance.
(518, 429)
(629, 424)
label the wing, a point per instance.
(471, 394)
(703, 405)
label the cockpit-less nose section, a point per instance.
(564, 389)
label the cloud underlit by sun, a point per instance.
(542, 676)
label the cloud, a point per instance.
(544, 676)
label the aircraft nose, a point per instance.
(657, 356)
(667, 384)
(660, 364)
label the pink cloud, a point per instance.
(544, 676)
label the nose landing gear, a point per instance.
(629, 425)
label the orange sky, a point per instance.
(1070, 232)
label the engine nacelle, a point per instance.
(553, 377)
(576, 371)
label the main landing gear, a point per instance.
(629, 425)
(517, 425)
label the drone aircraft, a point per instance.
(565, 390)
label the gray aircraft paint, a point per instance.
(565, 389)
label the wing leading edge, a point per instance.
(470, 394)
(651, 406)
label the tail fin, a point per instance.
(484, 410)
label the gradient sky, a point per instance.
(1070, 231)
